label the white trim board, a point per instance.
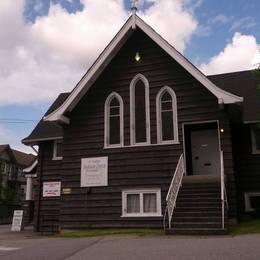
(110, 51)
(31, 167)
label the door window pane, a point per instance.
(133, 203)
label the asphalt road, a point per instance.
(28, 246)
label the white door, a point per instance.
(205, 152)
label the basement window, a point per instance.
(252, 201)
(141, 203)
(57, 150)
(255, 137)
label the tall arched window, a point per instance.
(139, 110)
(114, 124)
(167, 122)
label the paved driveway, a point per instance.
(28, 246)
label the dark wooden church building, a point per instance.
(145, 139)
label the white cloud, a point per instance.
(41, 59)
(245, 23)
(172, 20)
(221, 18)
(242, 53)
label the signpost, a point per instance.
(51, 189)
(94, 172)
(17, 220)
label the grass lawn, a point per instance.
(245, 227)
(107, 232)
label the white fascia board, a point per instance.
(31, 167)
(222, 95)
(95, 70)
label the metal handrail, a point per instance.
(223, 189)
(173, 191)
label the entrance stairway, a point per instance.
(198, 208)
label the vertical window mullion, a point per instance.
(141, 203)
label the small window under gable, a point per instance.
(167, 122)
(255, 138)
(114, 127)
(57, 150)
(139, 111)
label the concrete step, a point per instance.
(215, 224)
(184, 208)
(196, 231)
(201, 194)
(197, 204)
(182, 199)
(194, 213)
(193, 219)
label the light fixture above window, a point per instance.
(137, 57)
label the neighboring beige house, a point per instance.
(12, 179)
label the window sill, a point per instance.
(140, 215)
(140, 145)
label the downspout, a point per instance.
(39, 193)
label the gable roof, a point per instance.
(23, 159)
(242, 83)
(110, 51)
(47, 130)
(18, 157)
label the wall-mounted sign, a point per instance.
(17, 220)
(51, 189)
(94, 172)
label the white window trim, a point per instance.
(253, 141)
(107, 121)
(174, 114)
(141, 192)
(54, 155)
(132, 110)
(247, 195)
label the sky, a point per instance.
(47, 45)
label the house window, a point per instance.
(167, 123)
(252, 201)
(255, 137)
(141, 203)
(57, 150)
(139, 110)
(114, 124)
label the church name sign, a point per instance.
(94, 172)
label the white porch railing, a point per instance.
(174, 190)
(223, 189)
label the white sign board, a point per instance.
(94, 172)
(17, 220)
(51, 189)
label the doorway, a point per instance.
(202, 151)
